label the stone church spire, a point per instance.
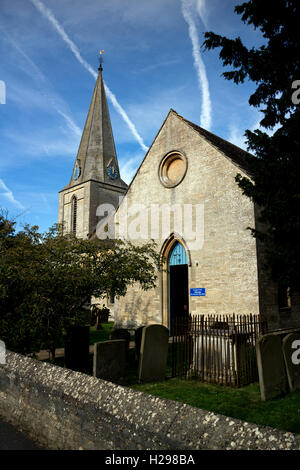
(95, 177)
(96, 158)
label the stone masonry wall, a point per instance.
(90, 195)
(226, 264)
(62, 409)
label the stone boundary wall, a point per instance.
(63, 409)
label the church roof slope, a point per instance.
(239, 156)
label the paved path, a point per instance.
(11, 439)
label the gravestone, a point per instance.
(271, 367)
(121, 333)
(153, 353)
(138, 340)
(2, 352)
(77, 344)
(291, 353)
(110, 360)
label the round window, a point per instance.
(172, 169)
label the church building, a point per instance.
(185, 197)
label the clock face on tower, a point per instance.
(112, 171)
(77, 170)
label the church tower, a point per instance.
(96, 177)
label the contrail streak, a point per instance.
(74, 128)
(205, 119)
(41, 77)
(9, 195)
(49, 15)
(201, 9)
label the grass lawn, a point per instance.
(243, 403)
(101, 335)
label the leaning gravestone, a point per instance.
(110, 360)
(153, 353)
(271, 367)
(291, 353)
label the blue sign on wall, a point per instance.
(197, 292)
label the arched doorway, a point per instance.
(178, 283)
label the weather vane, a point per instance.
(101, 59)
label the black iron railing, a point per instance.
(216, 348)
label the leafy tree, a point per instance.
(47, 281)
(274, 186)
(17, 327)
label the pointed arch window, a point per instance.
(74, 215)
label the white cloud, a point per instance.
(236, 133)
(129, 167)
(156, 65)
(35, 97)
(149, 15)
(236, 137)
(47, 143)
(30, 140)
(9, 195)
(205, 119)
(152, 108)
(49, 15)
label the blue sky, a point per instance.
(49, 55)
